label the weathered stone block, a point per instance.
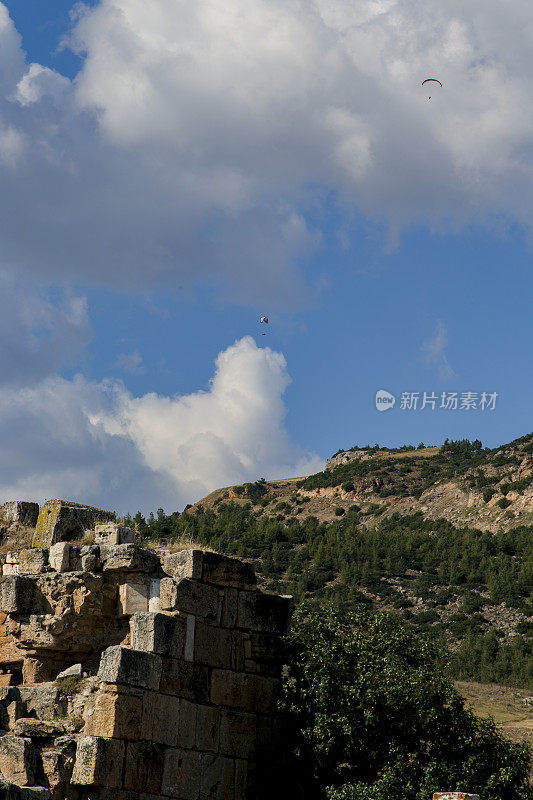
(113, 533)
(17, 594)
(191, 597)
(181, 774)
(122, 665)
(38, 728)
(144, 767)
(166, 720)
(212, 646)
(90, 558)
(207, 729)
(128, 558)
(21, 511)
(75, 671)
(116, 716)
(18, 760)
(202, 565)
(266, 613)
(132, 598)
(10, 569)
(185, 679)
(230, 607)
(237, 734)
(217, 777)
(159, 633)
(263, 653)
(98, 762)
(44, 701)
(33, 561)
(186, 733)
(243, 691)
(59, 557)
(62, 521)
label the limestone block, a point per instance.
(90, 558)
(113, 533)
(217, 777)
(212, 646)
(16, 594)
(266, 613)
(243, 779)
(33, 561)
(159, 633)
(166, 720)
(132, 598)
(207, 729)
(144, 767)
(43, 700)
(263, 653)
(189, 637)
(202, 565)
(10, 569)
(230, 607)
(181, 774)
(191, 597)
(14, 711)
(62, 521)
(75, 671)
(20, 511)
(122, 665)
(128, 558)
(38, 728)
(98, 762)
(116, 716)
(59, 556)
(237, 734)
(185, 679)
(18, 760)
(244, 691)
(58, 763)
(187, 724)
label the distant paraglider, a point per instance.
(431, 80)
(264, 321)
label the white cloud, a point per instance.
(98, 444)
(198, 133)
(434, 352)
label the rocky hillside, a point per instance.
(461, 482)
(442, 536)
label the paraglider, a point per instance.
(430, 80)
(264, 321)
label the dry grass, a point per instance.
(17, 539)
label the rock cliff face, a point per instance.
(169, 670)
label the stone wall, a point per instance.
(61, 520)
(173, 671)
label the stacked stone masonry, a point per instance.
(169, 671)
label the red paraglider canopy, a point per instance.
(432, 79)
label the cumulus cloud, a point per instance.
(197, 135)
(99, 444)
(434, 352)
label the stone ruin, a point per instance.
(127, 674)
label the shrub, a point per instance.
(373, 717)
(503, 502)
(339, 511)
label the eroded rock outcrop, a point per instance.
(169, 670)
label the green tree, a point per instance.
(374, 717)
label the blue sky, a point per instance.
(386, 256)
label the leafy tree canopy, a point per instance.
(375, 719)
